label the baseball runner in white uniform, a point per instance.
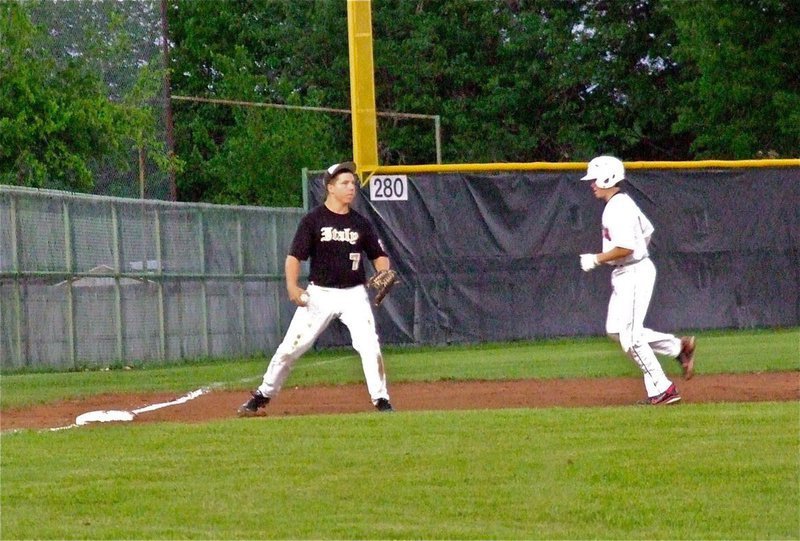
(335, 238)
(626, 236)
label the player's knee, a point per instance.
(625, 342)
(367, 348)
(289, 351)
(369, 352)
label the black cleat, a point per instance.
(251, 407)
(383, 405)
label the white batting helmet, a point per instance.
(606, 171)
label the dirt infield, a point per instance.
(443, 395)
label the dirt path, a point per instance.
(444, 395)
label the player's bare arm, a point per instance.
(292, 269)
(381, 263)
(591, 261)
(613, 254)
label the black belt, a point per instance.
(630, 262)
(335, 286)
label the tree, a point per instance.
(743, 98)
(622, 61)
(538, 80)
(53, 119)
(512, 80)
(245, 52)
(78, 95)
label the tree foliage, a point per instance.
(742, 97)
(525, 81)
(512, 80)
(62, 109)
(53, 119)
(244, 52)
(516, 80)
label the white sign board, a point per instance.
(388, 188)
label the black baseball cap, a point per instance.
(337, 168)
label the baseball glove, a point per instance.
(381, 282)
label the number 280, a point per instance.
(388, 188)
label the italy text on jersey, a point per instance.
(329, 234)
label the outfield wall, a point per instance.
(493, 257)
(88, 280)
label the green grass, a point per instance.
(728, 352)
(723, 471)
(696, 471)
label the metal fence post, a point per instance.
(162, 326)
(437, 127)
(203, 289)
(277, 288)
(17, 285)
(242, 282)
(117, 292)
(70, 261)
(305, 188)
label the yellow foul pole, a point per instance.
(362, 85)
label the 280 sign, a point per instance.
(388, 188)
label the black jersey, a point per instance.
(336, 244)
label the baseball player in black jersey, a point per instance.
(335, 238)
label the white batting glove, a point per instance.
(588, 262)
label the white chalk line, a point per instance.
(105, 416)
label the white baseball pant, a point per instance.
(632, 289)
(351, 306)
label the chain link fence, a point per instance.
(93, 280)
